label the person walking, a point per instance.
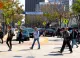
(1, 35)
(20, 37)
(74, 37)
(36, 38)
(66, 41)
(58, 33)
(9, 38)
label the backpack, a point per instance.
(11, 34)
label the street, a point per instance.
(49, 49)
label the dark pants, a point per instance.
(66, 42)
(9, 43)
(20, 40)
(34, 43)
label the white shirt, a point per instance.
(36, 34)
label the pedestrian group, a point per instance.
(70, 38)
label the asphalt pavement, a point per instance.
(49, 49)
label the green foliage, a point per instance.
(8, 21)
(19, 23)
(51, 17)
(11, 8)
(76, 6)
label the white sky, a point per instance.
(46, 0)
(22, 3)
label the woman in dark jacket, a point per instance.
(9, 38)
(20, 36)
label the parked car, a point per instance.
(41, 30)
(49, 32)
(30, 30)
(22, 27)
(25, 35)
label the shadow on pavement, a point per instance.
(55, 54)
(17, 56)
(55, 40)
(24, 49)
(30, 57)
(4, 51)
(27, 49)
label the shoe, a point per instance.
(31, 48)
(9, 50)
(19, 43)
(71, 51)
(38, 48)
(59, 51)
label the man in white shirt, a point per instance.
(36, 38)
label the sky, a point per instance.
(22, 2)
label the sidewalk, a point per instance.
(48, 50)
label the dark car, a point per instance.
(25, 35)
(41, 30)
(49, 32)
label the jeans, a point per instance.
(74, 42)
(37, 39)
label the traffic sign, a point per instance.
(44, 23)
(19, 23)
(65, 21)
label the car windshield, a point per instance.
(49, 29)
(41, 29)
(25, 31)
(30, 30)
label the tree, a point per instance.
(10, 9)
(76, 7)
(76, 10)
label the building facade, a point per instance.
(30, 5)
